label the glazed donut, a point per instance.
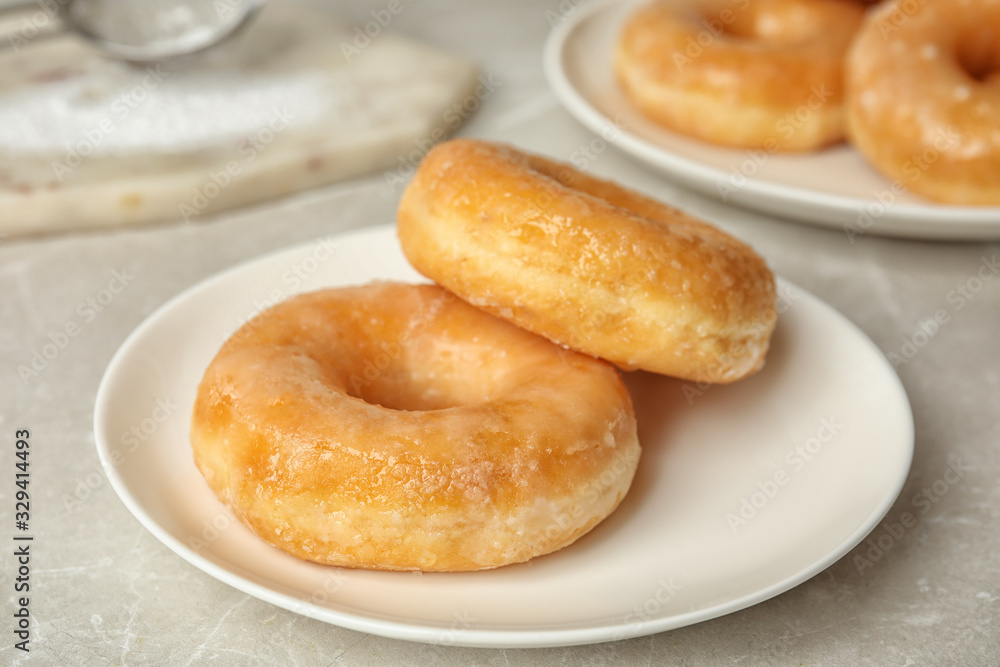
(762, 74)
(923, 88)
(395, 427)
(586, 263)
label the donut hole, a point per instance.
(721, 23)
(428, 374)
(978, 53)
(398, 392)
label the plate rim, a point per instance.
(829, 211)
(424, 631)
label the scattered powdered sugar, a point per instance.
(961, 93)
(127, 110)
(929, 51)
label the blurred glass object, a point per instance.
(148, 31)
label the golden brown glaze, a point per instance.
(924, 97)
(587, 263)
(396, 427)
(752, 74)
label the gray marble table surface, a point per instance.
(104, 591)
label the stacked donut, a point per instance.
(912, 85)
(480, 421)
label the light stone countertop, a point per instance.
(106, 591)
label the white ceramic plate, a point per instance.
(834, 188)
(813, 451)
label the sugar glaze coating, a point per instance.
(924, 98)
(395, 427)
(764, 74)
(587, 263)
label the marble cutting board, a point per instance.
(298, 100)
